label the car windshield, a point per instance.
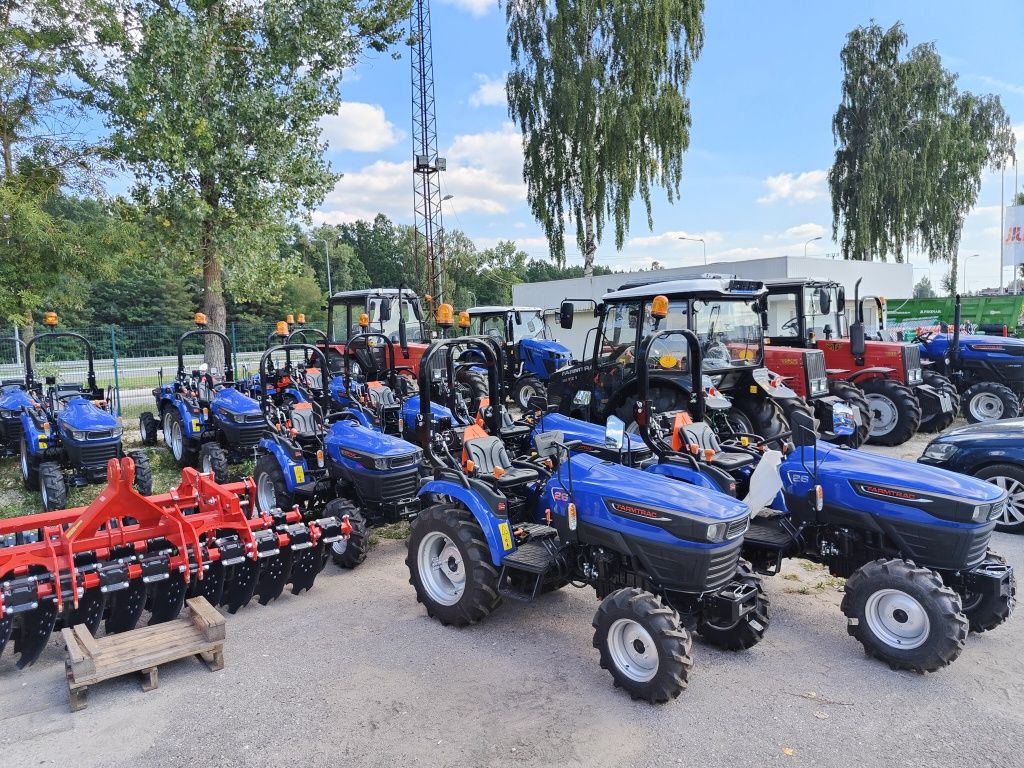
(346, 319)
(729, 331)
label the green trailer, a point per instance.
(988, 314)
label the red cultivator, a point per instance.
(126, 552)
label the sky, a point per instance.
(763, 93)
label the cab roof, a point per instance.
(364, 293)
(499, 308)
(702, 286)
(795, 282)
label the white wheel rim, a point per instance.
(442, 570)
(24, 459)
(172, 433)
(985, 406)
(1013, 510)
(897, 619)
(884, 414)
(45, 496)
(340, 547)
(525, 393)
(207, 465)
(266, 494)
(633, 650)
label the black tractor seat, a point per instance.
(488, 454)
(704, 437)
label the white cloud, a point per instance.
(672, 239)
(798, 232)
(798, 188)
(489, 93)
(485, 175)
(1002, 85)
(475, 7)
(360, 127)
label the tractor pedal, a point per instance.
(523, 572)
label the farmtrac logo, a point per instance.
(893, 493)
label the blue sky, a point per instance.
(763, 94)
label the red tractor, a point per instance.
(394, 312)
(811, 314)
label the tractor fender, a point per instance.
(772, 384)
(361, 417)
(871, 373)
(686, 475)
(496, 529)
(830, 372)
(291, 467)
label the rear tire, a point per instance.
(351, 552)
(478, 387)
(148, 428)
(988, 401)
(143, 472)
(526, 388)
(212, 458)
(761, 415)
(52, 487)
(643, 644)
(895, 412)
(750, 629)
(904, 615)
(852, 396)
(449, 540)
(1010, 478)
(989, 611)
(29, 467)
(932, 421)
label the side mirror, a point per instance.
(385, 309)
(403, 338)
(417, 311)
(844, 422)
(614, 433)
(538, 403)
(519, 317)
(841, 300)
(857, 341)
(804, 432)
(824, 300)
(566, 314)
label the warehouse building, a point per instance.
(878, 279)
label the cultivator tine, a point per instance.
(274, 573)
(167, 599)
(91, 606)
(34, 632)
(242, 585)
(125, 608)
(306, 565)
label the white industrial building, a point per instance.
(878, 279)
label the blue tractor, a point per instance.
(314, 454)
(68, 431)
(912, 541)
(662, 556)
(988, 370)
(531, 357)
(207, 422)
(13, 398)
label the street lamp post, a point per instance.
(963, 271)
(327, 258)
(704, 246)
(809, 242)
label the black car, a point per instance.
(990, 450)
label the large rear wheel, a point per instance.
(989, 401)
(895, 412)
(182, 447)
(760, 415)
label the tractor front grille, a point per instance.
(10, 432)
(98, 455)
(376, 487)
(737, 528)
(817, 378)
(912, 363)
(250, 434)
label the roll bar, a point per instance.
(229, 372)
(643, 376)
(389, 358)
(90, 356)
(324, 395)
(299, 334)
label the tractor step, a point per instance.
(768, 536)
(534, 564)
(767, 542)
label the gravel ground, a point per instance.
(354, 673)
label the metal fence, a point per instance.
(129, 360)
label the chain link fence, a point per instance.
(129, 361)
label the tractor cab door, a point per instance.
(785, 321)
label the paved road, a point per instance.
(354, 673)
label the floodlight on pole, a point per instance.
(704, 246)
(819, 237)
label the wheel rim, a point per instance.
(526, 391)
(1013, 510)
(206, 465)
(24, 459)
(897, 619)
(266, 494)
(340, 547)
(632, 650)
(174, 437)
(45, 496)
(884, 414)
(442, 570)
(985, 406)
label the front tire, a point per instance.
(904, 615)
(143, 472)
(148, 428)
(750, 629)
(1010, 478)
(643, 644)
(989, 401)
(895, 412)
(351, 552)
(271, 488)
(450, 566)
(52, 488)
(213, 459)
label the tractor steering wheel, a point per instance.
(791, 324)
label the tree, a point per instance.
(381, 249)
(923, 289)
(911, 149)
(598, 88)
(215, 106)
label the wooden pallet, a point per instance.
(90, 660)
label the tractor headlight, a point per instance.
(939, 451)
(5, 414)
(77, 434)
(228, 416)
(819, 386)
(914, 376)
(117, 431)
(981, 512)
(716, 532)
(380, 464)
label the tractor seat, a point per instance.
(380, 395)
(488, 454)
(303, 420)
(704, 437)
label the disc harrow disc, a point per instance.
(212, 585)
(34, 632)
(89, 611)
(167, 599)
(125, 608)
(306, 564)
(242, 584)
(6, 625)
(273, 576)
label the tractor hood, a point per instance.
(976, 346)
(605, 488)
(231, 400)
(352, 440)
(547, 347)
(14, 398)
(591, 435)
(81, 414)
